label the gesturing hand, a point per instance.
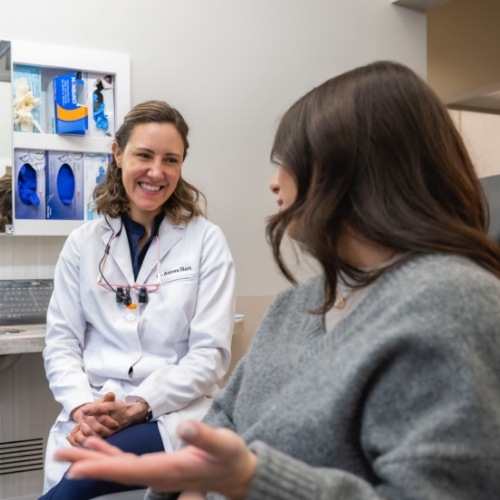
(215, 460)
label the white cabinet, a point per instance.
(73, 99)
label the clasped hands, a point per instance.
(105, 417)
(213, 460)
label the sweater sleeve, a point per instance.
(281, 477)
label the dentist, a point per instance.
(140, 323)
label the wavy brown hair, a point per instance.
(375, 149)
(110, 196)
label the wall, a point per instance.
(480, 134)
(232, 68)
(463, 47)
(463, 43)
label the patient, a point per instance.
(379, 378)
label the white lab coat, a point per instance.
(172, 352)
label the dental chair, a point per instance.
(124, 495)
(491, 186)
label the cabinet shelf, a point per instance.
(54, 174)
(53, 142)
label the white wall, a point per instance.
(232, 67)
(480, 134)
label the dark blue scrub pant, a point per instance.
(138, 439)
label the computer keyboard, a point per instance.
(24, 302)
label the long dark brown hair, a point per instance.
(110, 196)
(376, 150)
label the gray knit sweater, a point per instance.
(400, 401)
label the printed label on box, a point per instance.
(70, 112)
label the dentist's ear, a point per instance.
(117, 153)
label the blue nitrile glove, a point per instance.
(26, 185)
(66, 184)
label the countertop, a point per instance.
(19, 339)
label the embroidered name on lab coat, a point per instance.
(181, 269)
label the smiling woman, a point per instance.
(120, 370)
(151, 167)
(132, 144)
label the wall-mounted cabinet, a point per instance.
(65, 105)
